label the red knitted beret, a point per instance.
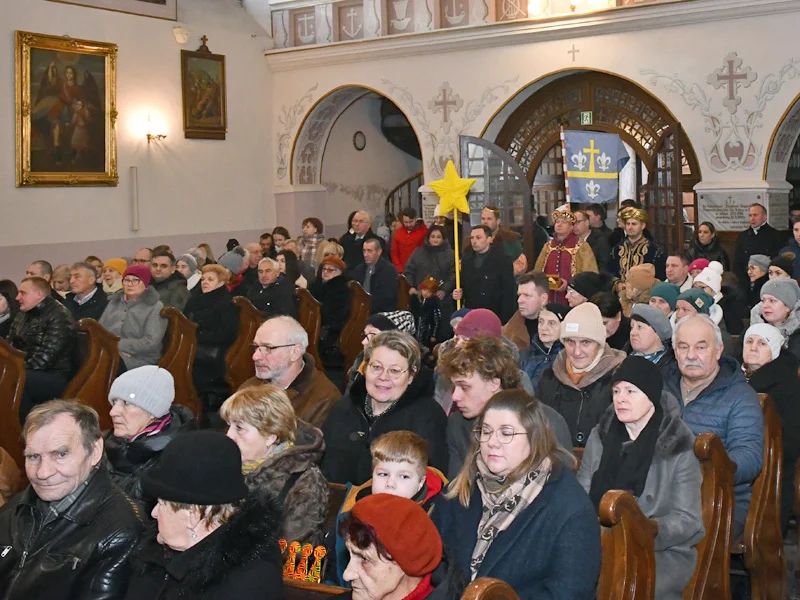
(404, 529)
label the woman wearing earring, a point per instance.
(215, 539)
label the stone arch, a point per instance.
(782, 143)
(308, 149)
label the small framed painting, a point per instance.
(159, 9)
(203, 87)
(66, 98)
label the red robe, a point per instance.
(559, 261)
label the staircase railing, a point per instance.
(405, 194)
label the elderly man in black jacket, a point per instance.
(272, 293)
(759, 238)
(45, 330)
(86, 300)
(487, 276)
(378, 277)
(353, 243)
(70, 534)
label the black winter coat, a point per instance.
(91, 309)
(334, 297)
(354, 249)
(779, 379)
(83, 553)
(217, 327)
(273, 300)
(492, 286)
(382, 285)
(769, 241)
(714, 251)
(581, 405)
(47, 334)
(735, 309)
(349, 433)
(240, 560)
(128, 461)
(173, 291)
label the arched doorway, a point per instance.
(782, 166)
(666, 166)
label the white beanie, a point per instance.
(437, 212)
(711, 276)
(771, 335)
(150, 387)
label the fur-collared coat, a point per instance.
(306, 505)
(139, 325)
(241, 559)
(671, 495)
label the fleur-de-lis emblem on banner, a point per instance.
(603, 161)
(592, 189)
(579, 160)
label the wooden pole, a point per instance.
(457, 255)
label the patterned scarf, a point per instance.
(502, 504)
(250, 466)
(154, 428)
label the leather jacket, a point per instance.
(47, 334)
(81, 554)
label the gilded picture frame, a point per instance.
(205, 110)
(66, 111)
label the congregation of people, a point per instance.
(485, 419)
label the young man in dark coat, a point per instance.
(759, 238)
(487, 276)
(378, 277)
(87, 300)
(168, 282)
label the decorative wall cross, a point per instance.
(731, 76)
(574, 51)
(445, 102)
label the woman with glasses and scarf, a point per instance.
(516, 513)
(641, 445)
(394, 395)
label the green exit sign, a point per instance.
(586, 117)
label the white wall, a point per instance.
(362, 180)
(188, 189)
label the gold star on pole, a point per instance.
(452, 190)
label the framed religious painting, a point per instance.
(203, 87)
(66, 109)
(160, 9)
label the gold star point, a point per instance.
(452, 190)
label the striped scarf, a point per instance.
(154, 428)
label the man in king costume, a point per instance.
(635, 249)
(565, 255)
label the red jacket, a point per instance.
(405, 242)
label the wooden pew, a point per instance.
(711, 578)
(309, 314)
(628, 570)
(98, 356)
(239, 358)
(12, 382)
(180, 345)
(403, 285)
(350, 338)
(294, 589)
(336, 496)
(762, 544)
(487, 588)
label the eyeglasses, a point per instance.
(368, 336)
(581, 220)
(266, 350)
(141, 261)
(131, 281)
(327, 269)
(377, 370)
(505, 435)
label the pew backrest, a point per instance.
(12, 382)
(239, 358)
(180, 345)
(309, 314)
(403, 287)
(294, 589)
(98, 360)
(628, 569)
(350, 338)
(711, 578)
(487, 588)
(336, 496)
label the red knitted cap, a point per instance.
(404, 529)
(140, 271)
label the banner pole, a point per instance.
(564, 160)
(457, 255)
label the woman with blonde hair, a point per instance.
(210, 260)
(327, 248)
(516, 496)
(280, 454)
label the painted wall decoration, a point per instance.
(351, 22)
(288, 120)
(161, 9)
(401, 16)
(203, 90)
(440, 144)
(304, 27)
(65, 111)
(730, 117)
(447, 103)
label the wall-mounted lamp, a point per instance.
(181, 34)
(157, 137)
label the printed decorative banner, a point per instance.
(593, 162)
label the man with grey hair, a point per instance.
(71, 533)
(280, 359)
(272, 293)
(86, 300)
(353, 243)
(716, 397)
(250, 274)
(377, 276)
